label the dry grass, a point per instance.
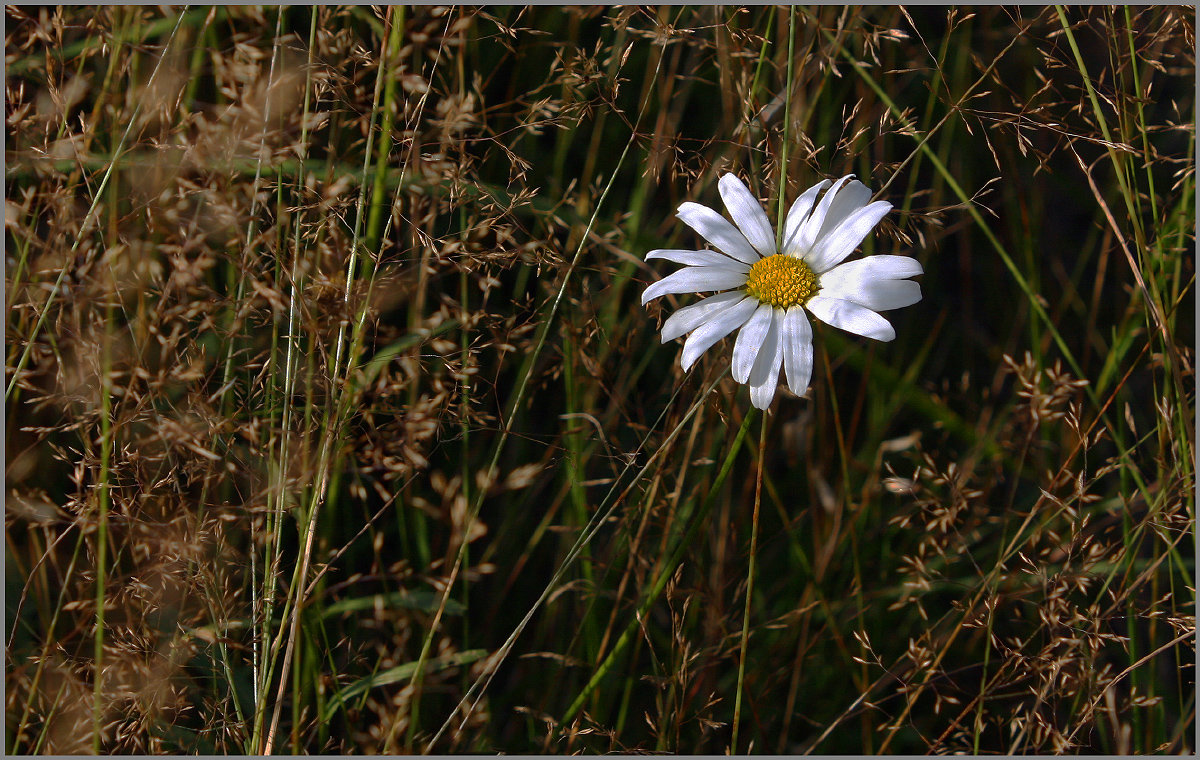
(333, 424)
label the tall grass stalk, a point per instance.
(102, 504)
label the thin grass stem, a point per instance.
(751, 566)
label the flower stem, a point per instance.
(737, 704)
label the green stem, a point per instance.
(102, 541)
(1117, 162)
(737, 704)
(787, 122)
(387, 71)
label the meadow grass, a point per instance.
(334, 424)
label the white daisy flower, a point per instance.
(766, 290)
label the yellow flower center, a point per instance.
(782, 281)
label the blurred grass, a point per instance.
(335, 426)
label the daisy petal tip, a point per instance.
(729, 179)
(761, 396)
(883, 333)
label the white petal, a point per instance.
(750, 340)
(762, 395)
(717, 230)
(796, 216)
(797, 350)
(765, 377)
(881, 266)
(830, 250)
(812, 225)
(770, 354)
(874, 282)
(690, 317)
(850, 317)
(876, 295)
(698, 259)
(747, 214)
(694, 280)
(853, 196)
(716, 328)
